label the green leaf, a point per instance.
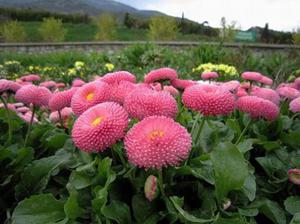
(248, 211)
(231, 220)
(230, 169)
(296, 219)
(292, 204)
(142, 208)
(56, 141)
(292, 139)
(184, 214)
(37, 174)
(249, 187)
(117, 211)
(80, 180)
(270, 209)
(39, 209)
(72, 208)
(246, 145)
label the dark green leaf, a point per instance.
(230, 169)
(117, 211)
(72, 208)
(292, 204)
(39, 209)
(296, 219)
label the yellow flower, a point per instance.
(71, 71)
(109, 67)
(79, 64)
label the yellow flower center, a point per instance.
(97, 121)
(90, 96)
(155, 134)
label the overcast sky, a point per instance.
(280, 14)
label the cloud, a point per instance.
(280, 14)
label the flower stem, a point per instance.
(29, 126)
(161, 183)
(243, 132)
(8, 119)
(60, 119)
(200, 129)
(195, 122)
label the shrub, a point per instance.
(106, 27)
(13, 32)
(52, 30)
(163, 28)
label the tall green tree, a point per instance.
(52, 30)
(163, 28)
(106, 27)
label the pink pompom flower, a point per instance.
(288, 92)
(231, 86)
(60, 85)
(265, 93)
(30, 78)
(252, 76)
(4, 85)
(62, 99)
(36, 95)
(258, 107)
(208, 100)
(118, 91)
(144, 102)
(157, 142)
(14, 86)
(160, 74)
(22, 110)
(266, 81)
(118, 76)
(78, 83)
(89, 95)
(27, 117)
(170, 89)
(48, 84)
(209, 75)
(66, 113)
(295, 105)
(100, 127)
(182, 83)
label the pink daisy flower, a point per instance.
(170, 89)
(48, 84)
(258, 107)
(66, 113)
(60, 85)
(78, 83)
(14, 86)
(118, 76)
(160, 74)
(295, 105)
(297, 82)
(27, 117)
(22, 109)
(266, 81)
(288, 92)
(62, 99)
(252, 76)
(208, 100)
(9, 106)
(268, 94)
(30, 78)
(294, 176)
(4, 85)
(100, 127)
(157, 142)
(143, 102)
(18, 104)
(182, 84)
(89, 95)
(231, 86)
(156, 86)
(118, 91)
(38, 96)
(209, 75)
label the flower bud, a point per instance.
(151, 189)
(294, 176)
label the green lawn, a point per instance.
(87, 32)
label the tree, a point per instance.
(13, 32)
(107, 27)
(163, 28)
(296, 36)
(265, 35)
(128, 20)
(52, 30)
(227, 31)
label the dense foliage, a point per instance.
(240, 168)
